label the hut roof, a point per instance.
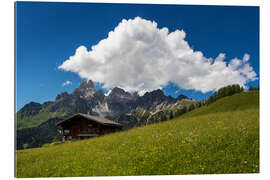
(97, 119)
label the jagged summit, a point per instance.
(155, 93)
(181, 97)
(86, 99)
(119, 93)
(117, 90)
(87, 84)
(86, 89)
(61, 95)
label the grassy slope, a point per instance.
(220, 138)
(42, 116)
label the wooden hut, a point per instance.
(80, 126)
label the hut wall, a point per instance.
(83, 126)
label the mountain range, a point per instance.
(129, 109)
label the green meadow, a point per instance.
(222, 137)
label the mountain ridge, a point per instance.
(86, 99)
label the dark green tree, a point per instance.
(237, 88)
(181, 111)
(210, 100)
(221, 92)
(191, 107)
(171, 115)
(229, 90)
(242, 89)
(233, 88)
(163, 117)
(215, 96)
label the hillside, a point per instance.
(222, 137)
(34, 114)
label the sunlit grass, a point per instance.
(220, 138)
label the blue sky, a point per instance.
(47, 34)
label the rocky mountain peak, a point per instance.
(61, 95)
(117, 90)
(119, 93)
(32, 106)
(150, 100)
(99, 95)
(30, 109)
(156, 94)
(181, 97)
(87, 85)
(86, 89)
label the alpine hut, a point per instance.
(80, 126)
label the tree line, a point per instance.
(220, 93)
(225, 91)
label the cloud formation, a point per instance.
(66, 83)
(139, 56)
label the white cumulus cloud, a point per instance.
(139, 56)
(66, 83)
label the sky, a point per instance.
(190, 50)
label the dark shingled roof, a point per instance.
(97, 119)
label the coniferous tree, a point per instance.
(229, 90)
(163, 117)
(222, 92)
(210, 100)
(233, 88)
(237, 88)
(191, 107)
(171, 115)
(184, 110)
(179, 112)
(242, 89)
(215, 96)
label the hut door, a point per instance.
(75, 130)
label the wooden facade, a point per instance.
(80, 126)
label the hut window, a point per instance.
(66, 131)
